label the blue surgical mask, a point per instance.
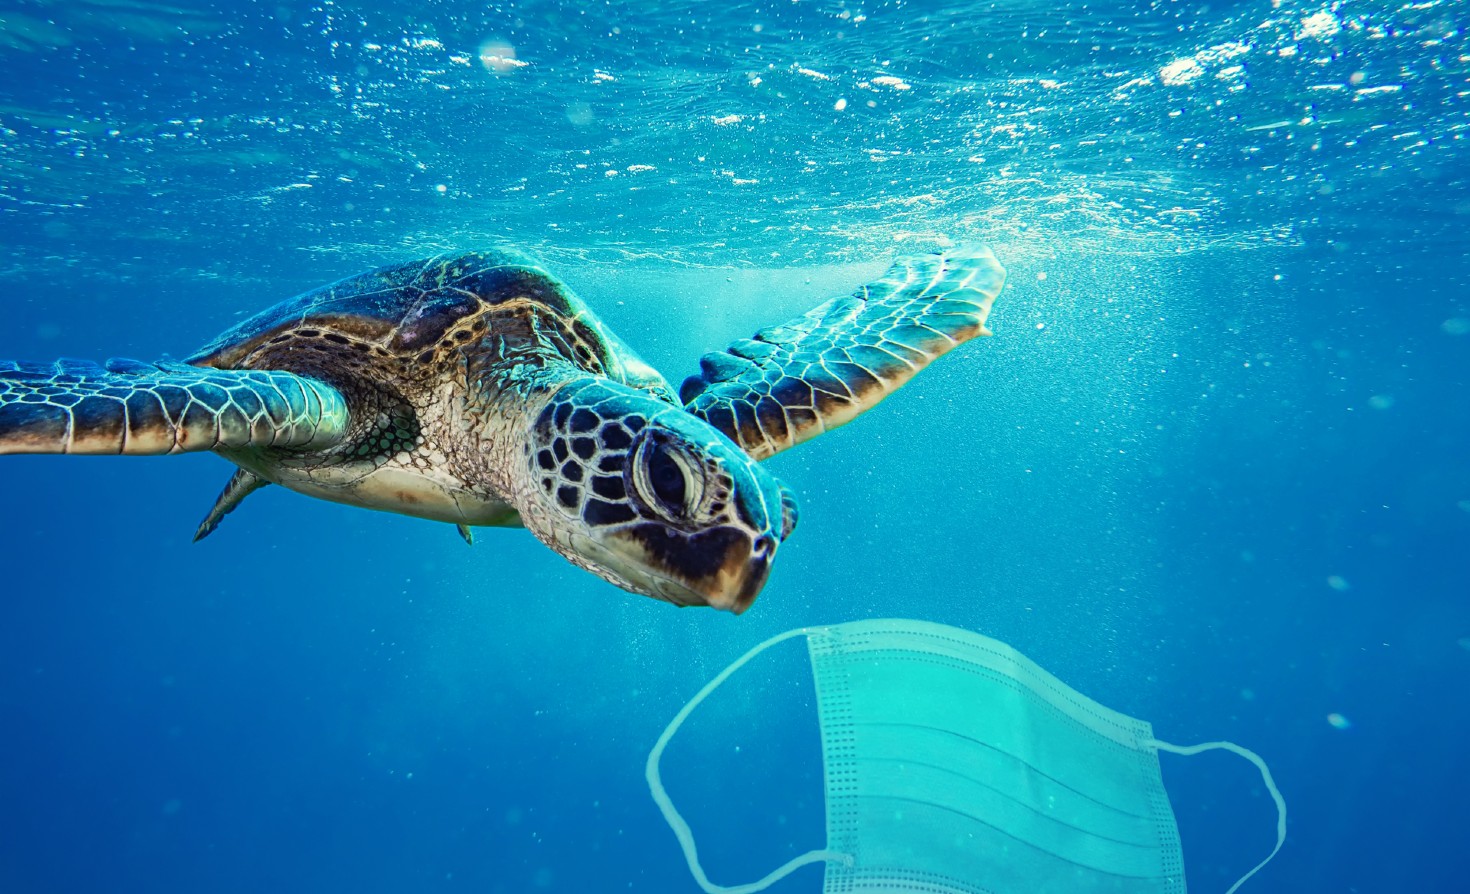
(955, 765)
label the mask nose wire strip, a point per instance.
(677, 823)
(1254, 758)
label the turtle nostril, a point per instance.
(764, 546)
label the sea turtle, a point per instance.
(474, 388)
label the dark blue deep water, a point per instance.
(1213, 470)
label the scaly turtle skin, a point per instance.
(476, 389)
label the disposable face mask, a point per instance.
(955, 765)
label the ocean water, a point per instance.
(1211, 470)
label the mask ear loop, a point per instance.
(677, 823)
(1188, 750)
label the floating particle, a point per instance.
(1337, 721)
(1180, 71)
(1381, 401)
(1320, 25)
(1455, 326)
(579, 114)
(499, 56)
(1339, 584)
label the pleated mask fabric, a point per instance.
(956, 765)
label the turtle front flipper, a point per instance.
(792, 382)
(144, 409)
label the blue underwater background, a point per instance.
(1213, 470)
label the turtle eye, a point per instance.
(668, 479)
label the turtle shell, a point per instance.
(403, 307)
(406, 308)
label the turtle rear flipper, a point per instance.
(143, 409)
(241, 485)
(792, 382)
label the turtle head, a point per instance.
(653, 499)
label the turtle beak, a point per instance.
(749, 577)
(735, 580)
